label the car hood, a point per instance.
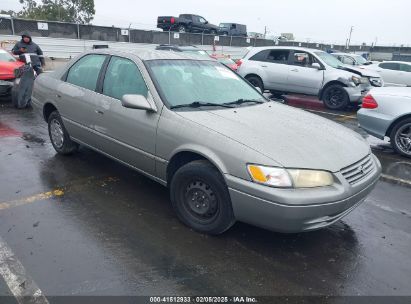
(361, 71)
(290, 137)
(7, 69)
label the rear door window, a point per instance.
(84, 73)
(405, 67)
(390, 66)
(278, 56)
(123, 77)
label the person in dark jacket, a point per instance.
(26, 45)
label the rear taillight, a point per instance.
(368, 102)
(239, 62)
(173, 20)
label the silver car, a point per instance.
(226, 152)
(386, 112)
(288, 69)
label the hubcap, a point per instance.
(200, 201)
(403, 138)
(182, 29)
(57, 135)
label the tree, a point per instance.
(77, 11)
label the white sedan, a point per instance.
(394, 73)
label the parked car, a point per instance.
(224, 59)
(225, 151)
(394, 73)
(306, 71)
(8, 64)
(182, 48)
(186, 23)
(386, 112)
(232, 29)
(351, 59)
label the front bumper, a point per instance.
(5, 87)
(357, 93)
(297, 210)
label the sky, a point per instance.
(324, 21)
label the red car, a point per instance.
(225, 60)
(7, 66)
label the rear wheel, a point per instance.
(200, 198)
(335, 97)
(59, 136)
(256, 81)
(401, 137)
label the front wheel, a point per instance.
(200, 198)
(181, 29)
(60, 139)
(256, 81)
(335, 97)
(401, 137)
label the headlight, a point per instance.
(359, 80)
(288, 178)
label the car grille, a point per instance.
(359, 170)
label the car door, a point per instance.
(275, 68)
(406, 72)
(126, 134)
(390, 72)
(197, 26)
(77, 98)
(303, 78)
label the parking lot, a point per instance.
(86, 225)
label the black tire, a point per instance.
(66, 146)
(200, 198)
(401, 137)
(256, 81)
(335, 97)
(182, 28)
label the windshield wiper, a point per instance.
(241, 101)
(197, 104)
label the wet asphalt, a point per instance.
(106, 230)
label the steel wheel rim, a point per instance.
(182, 29)
(200, 201)
(403, 139)
(57, 134)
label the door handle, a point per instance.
(99, 112)
(294, 70)
(58, 95)
(263, 66)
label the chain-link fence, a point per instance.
(53, 29)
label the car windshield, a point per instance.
(359, 59)
(6, 57)
(183, 82)
(329, 59)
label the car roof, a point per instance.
(392, 61)
(146, 54)
(297, 48)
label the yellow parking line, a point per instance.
(396, 179)
(58, 192)
(32, 199)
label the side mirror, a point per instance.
(206, 22)
(138, 102)
(317, 66)
(259, 90)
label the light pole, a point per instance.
(349, 38)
